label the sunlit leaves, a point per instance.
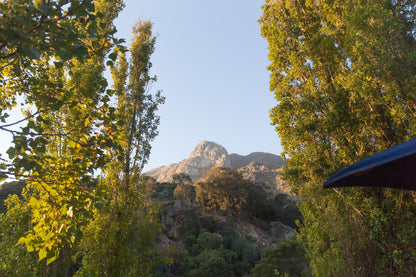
(343, 76)
(124, 224)
(53, 54)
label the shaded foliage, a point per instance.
(10, 188)
(288, 258)
(214, 248)
(163, 192)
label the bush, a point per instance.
(286, 259)
(190, 224)
(210, 263)
(209, 241)
(209, 224)
(163, 192)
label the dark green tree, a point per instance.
(286, 259)
(343, 74)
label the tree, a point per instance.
(184, 190)
(286, 259)
(216, 262)
(53, 55)
(343, 74)
(120, 239)
(221, 189)
(15, 260)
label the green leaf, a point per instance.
(21, 241)
(12, 152)
(51, 257)
(113, 56)
(42, 254)
(63, 55)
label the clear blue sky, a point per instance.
(211, 65)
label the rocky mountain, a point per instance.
(258, 166)
(205, 155)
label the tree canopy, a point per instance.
(53, 55)
(343, 75)
(221, 189)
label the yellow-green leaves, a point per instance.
(343, 76)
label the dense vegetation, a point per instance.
(52, 61)
(215, 209)
(344, 76)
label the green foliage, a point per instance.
(281, 207)
(286, 259)
(216, 262)
(229, 236)
(226, 190)
(221, 189)
(190, 224)
(7, 189)
(208, 241)
(15, 260)
(343, 74)
(53, 54)
(184, 190)
(120, 239)
(213, 248)
(137, 105)
(209, 224)
(164, 192)
(247, 255)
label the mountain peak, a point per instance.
(258, 167)
(209, 150)
(208, 154)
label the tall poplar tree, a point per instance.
(344, 77)
(120, 240)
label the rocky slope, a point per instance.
(172, 219)
(205, 155)
(258, 166)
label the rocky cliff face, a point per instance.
(205, 155)
(257, 167)
(271, 160)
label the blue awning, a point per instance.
(394, 168)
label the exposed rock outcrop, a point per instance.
(206, 155)
(171, 218)
(258, 166)
(239, 161)
(261, 173)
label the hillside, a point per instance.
(258, 167)
(223, 223)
